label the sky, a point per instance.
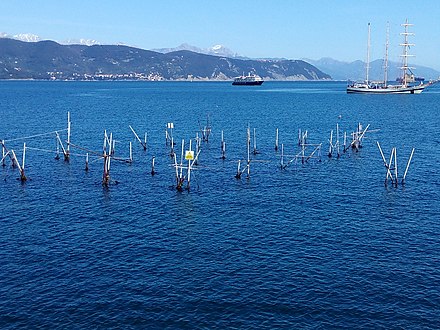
(293, 29)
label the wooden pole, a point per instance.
(87, 162)
(177, 169)
(276, 140)
(238, 175)
(153, 172)
(3, 152)
(282, 156)
(395, 167)
(111, 144)
(131, 152)
(385, 163)
(67, 153)
(172, 147)
(24, 155)
(345, 141)
(14, 156)
(303, 149)
(391, 164)
(248, 151)
(407, 166)
(337, 139)
(330, 149)
(255, 142)
(189, 167)
(223, 146)
(57, 155)
(144, 145)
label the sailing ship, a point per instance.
(407, 84)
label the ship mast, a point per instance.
(385, 78)
(368, 56)
(405, 54)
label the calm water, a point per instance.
(316, 246)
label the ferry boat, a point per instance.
(407, 85)
(249, 80)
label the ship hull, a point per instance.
(391, 90)
(247, 83)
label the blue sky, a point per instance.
(293, 29)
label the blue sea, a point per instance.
(323, 244)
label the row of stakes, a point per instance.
(189, 157)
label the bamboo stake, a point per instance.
(276, 140)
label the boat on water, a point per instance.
(249, 80)
(407, 84)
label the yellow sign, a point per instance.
(189, 155)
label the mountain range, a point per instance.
(25, 56)
(217, 50)
(356, 70)
(50, 60)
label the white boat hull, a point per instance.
(387, 90)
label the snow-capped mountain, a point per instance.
(86, 42)
(221, 50)
(28, 37)
(217, 50)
